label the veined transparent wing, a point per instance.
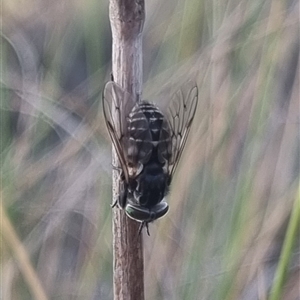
(117, 105)
(181, 114)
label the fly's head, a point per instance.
(146, 215)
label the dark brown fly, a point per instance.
(149, 147)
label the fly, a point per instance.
(149, 144)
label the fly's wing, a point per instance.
(165, 143)
(117, 104)
(181, 114)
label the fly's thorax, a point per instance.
(151, 185)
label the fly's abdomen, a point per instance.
(148, 134)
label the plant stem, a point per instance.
(127, 19)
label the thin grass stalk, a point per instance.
(286, 252)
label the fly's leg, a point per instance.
(123, 193)
(117, 168)
(144, 224)
(121, 200)
(122, 188)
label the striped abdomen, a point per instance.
(148, 135)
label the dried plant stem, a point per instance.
(127, 19)
(21, 256)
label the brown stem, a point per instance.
(127, 19)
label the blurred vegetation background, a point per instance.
(237, 185)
